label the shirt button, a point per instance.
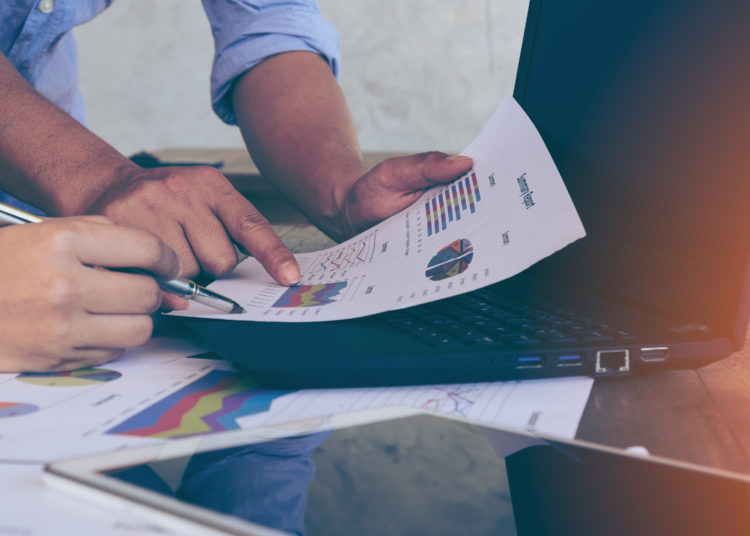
(45, 6)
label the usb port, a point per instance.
(655, 354)
(612, 361)
(529, 362)
(570, 360)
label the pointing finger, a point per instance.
(250, 229)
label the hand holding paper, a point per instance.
(395, 184)
(508, 212)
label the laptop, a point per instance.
(643, 106)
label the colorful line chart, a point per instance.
(74, 378)
(449, 203)
(310, 295)
(456, 400)
(347, 256)
(14, 409)
(450, 261)
(211, 404)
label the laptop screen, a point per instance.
(644, 107)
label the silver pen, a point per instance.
(180, 286)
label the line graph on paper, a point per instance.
(454, 399)
(334, 262)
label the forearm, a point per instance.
(46, 156)
(297, 127)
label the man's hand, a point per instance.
(198, 213)
(50, 160)
(395, 184)
(58, 310)
(297, 127)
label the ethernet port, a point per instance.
(612, 361)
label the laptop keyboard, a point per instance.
(487, 318)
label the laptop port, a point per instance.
(569, 360)
(655, 354)
(529, 362)
(612, 361)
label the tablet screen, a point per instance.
(429, 475)
(418, 475)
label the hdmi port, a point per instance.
(655, 354)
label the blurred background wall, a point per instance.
(418, 74)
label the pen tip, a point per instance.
(236, 309)
(217, 301)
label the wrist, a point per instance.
(341, 222)
(95, 184)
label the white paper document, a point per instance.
(30, 508)
(171, 389)
(508, 212)
(550, 407)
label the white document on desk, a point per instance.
(510, 211)
(30, 508)
(171, 389)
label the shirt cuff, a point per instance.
(260, 40)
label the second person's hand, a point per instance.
(395, 184)
(199, 214)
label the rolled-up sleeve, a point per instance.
(245, 33)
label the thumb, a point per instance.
(424, 170)
(440, 167)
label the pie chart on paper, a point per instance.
(450, 261)
(74, 378)
(14, 409)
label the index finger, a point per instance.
(253, 232)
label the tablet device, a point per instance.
(402, 471)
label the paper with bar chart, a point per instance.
(172, 388)
(508, 212)
(77, 408)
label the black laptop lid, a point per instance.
(645, 107)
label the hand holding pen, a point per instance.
(59, 310)
(178, 286)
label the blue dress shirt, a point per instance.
(36, 36)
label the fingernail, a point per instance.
(290, 273)
(458, 158)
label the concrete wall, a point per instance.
(418, 74)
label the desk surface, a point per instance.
(700, 416)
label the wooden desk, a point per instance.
(700, 416)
